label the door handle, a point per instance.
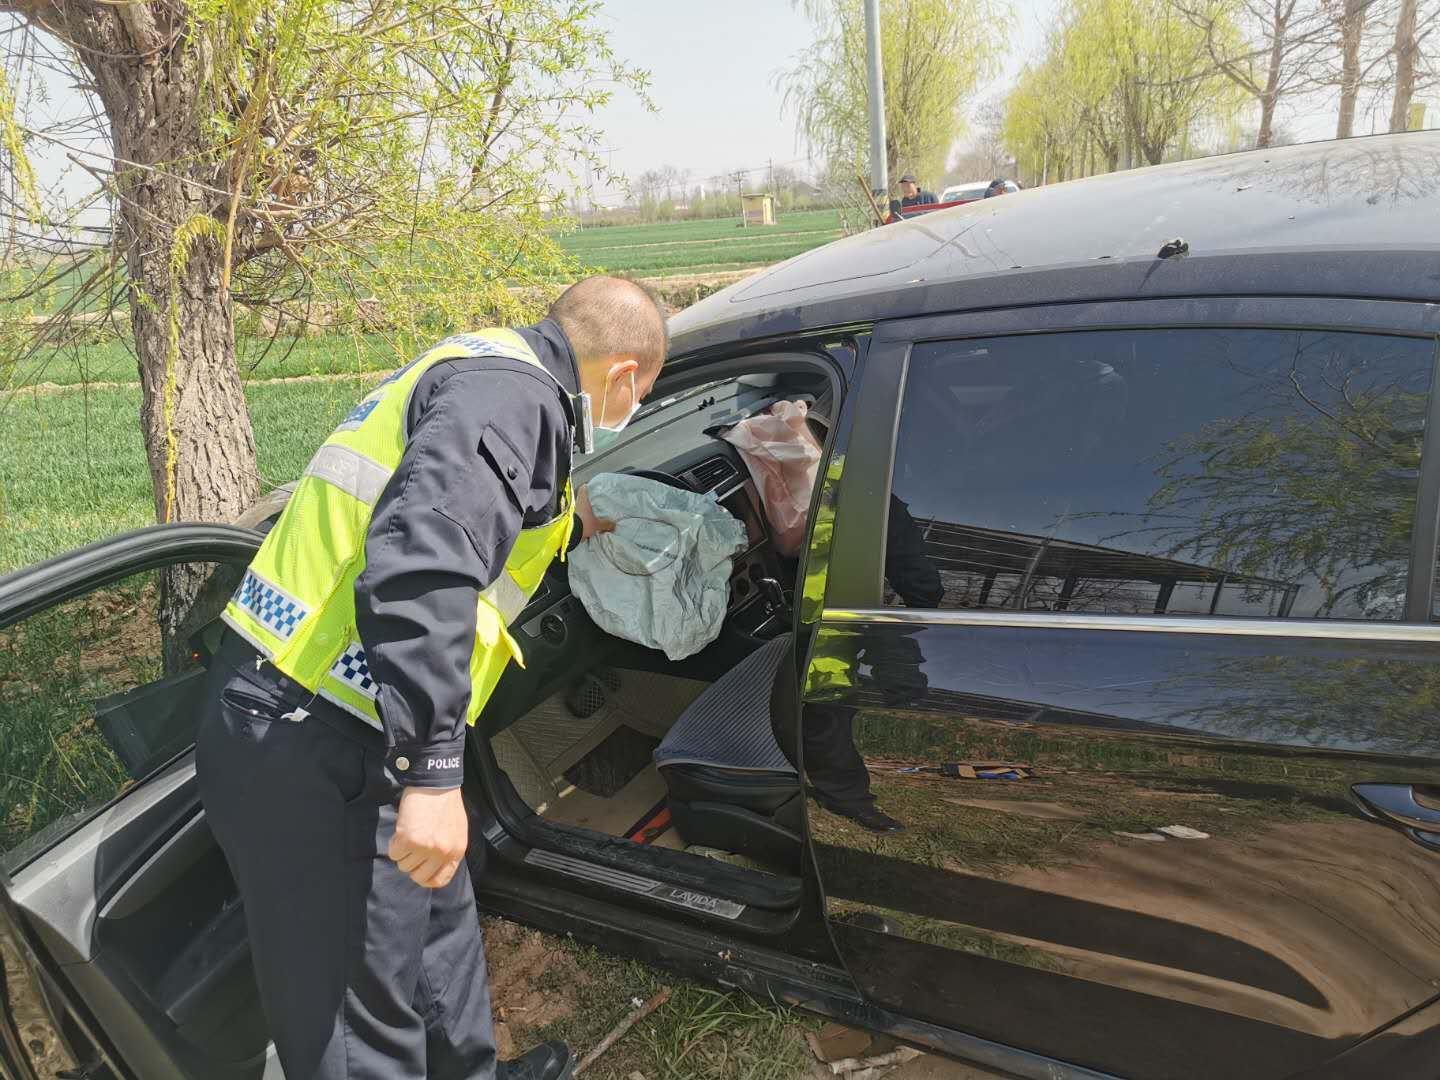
(1398, 805)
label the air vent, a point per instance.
(710, 474)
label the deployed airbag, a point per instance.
(662, 577)
(783, 457)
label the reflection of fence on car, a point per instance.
(988, 568)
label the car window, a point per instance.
(97, 692)
(1261, 473)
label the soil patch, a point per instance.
(533, 983)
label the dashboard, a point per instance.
(675, 442)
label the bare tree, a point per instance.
(1351, 26)
(986, 157)
(1281, 40)
(1413, 67)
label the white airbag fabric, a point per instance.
(662, 577)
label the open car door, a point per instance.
(123, 940)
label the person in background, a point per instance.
(912, 195)
(998, 186)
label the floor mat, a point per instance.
(618, 759)
(620, 814)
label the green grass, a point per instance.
(329, 355)
(701, 246)
(699, 1034)
(73, 470)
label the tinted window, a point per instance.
(96, 693)
(1234, 472)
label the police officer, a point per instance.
(371, 626)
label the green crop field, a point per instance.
(700, 246)
(73, 468)
(72, 465)
(330, 355)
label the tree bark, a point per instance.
(1270, 95)
(198, 438)
(1406, 48)
(1352, 31)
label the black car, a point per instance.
(1120, 595)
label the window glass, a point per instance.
(1261, 473)
(96, 693)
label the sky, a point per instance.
(714, 67)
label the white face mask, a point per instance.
(606, 434)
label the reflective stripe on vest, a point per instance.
(349, 470)
(296, 603)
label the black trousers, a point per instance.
(836, 771)
(363, 974)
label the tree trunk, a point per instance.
(198, 438)
(1406, 48)
(1352, 31)
(193, 416)
(1270, 96)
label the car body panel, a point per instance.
(1291, 928)
(1328, 219)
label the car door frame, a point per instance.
(855, 588)
(28, 592)
(509, 828)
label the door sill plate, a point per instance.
(634, 883)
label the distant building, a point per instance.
(758, 209)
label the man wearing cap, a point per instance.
(911, 195)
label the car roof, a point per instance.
(1359, 217)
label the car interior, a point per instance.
(599, 755)
(609, 748)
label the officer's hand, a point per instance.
(431, 835)
(589, 523)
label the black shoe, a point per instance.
(548, 1061)
(876, 820)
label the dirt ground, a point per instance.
(529, 978)
(546, 987)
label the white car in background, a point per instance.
(957, 193)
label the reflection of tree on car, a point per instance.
(1261, 473)
(1325, 491)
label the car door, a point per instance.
(123, 940)
(1142, 651)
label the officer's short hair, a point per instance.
(603, 316)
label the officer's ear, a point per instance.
(622, 367)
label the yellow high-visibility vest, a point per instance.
(296, 603)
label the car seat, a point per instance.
(731, 786)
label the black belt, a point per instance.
(242, 658)
(245, 660)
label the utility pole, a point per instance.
(879, 168)
(739, 177)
